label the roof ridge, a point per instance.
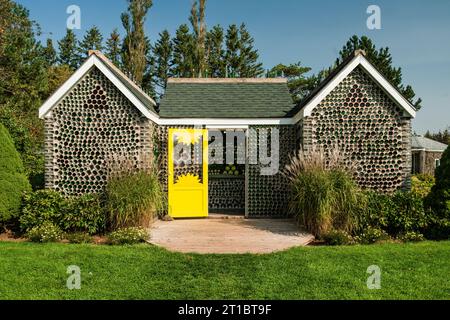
(226, 80)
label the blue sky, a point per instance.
(313, 32)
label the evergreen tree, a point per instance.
(162, 53)
(216, 64)
(183, 53)
(135, 44)
(197, 20)
(49, 53)
(114, 48)
(299, 84)
(68, 54)
(232, 54)
(249, 65)
(93, 40)
(23, 82)
(382, 60)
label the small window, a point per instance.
(437, 162)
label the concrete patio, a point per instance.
(228, 235)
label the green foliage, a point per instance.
(68, 50)
(84, 213)
(79, 237)
(71, 215)
(372, 235)
(45, 232)
(406, 213)
(133, 199)
(216, 53)
(232, 57)
(325, 200)
(40, 207)
(337, 238)
(114, 48)
(162, 52)
(183, 47)
(299, 84)
(197, 20)
(92, 40)
(131, 235)
(49, 53)
(13, 181)
(382, 60)
(439, 198)
(411, 237)
(249, 67)
(421, 184)
(396, 214)
(136, 45)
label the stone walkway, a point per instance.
(228, 235)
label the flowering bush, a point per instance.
(45, 232)
(130, 235)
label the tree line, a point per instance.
(31, 71)
(193, 51)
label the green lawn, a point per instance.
(33, 271)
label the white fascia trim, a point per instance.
(127, 93)
(376, 76)
(389, 88)
(225, 122)
(79, 74)
(307, 110)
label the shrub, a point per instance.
(439, 198)
(372, 211)
(396, 214)
(372, 235)
(46, 232)
(405, 213)
(42, 206)
(83, 214)
(13, 180)
(421, 184)
(133, 199)
(131, 235)
(79, 237)
(337, 238)
(71, 215)
(411, 237)
(325, 197)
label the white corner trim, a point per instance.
(372, 72)
(93, 60)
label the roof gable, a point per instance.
(227, 98)
(134, 94)
(339, 74)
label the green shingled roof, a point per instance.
(232, 98)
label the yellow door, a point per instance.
(188, 173)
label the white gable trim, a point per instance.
(92, 61)
(373, 73)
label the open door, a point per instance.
(188, 173)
